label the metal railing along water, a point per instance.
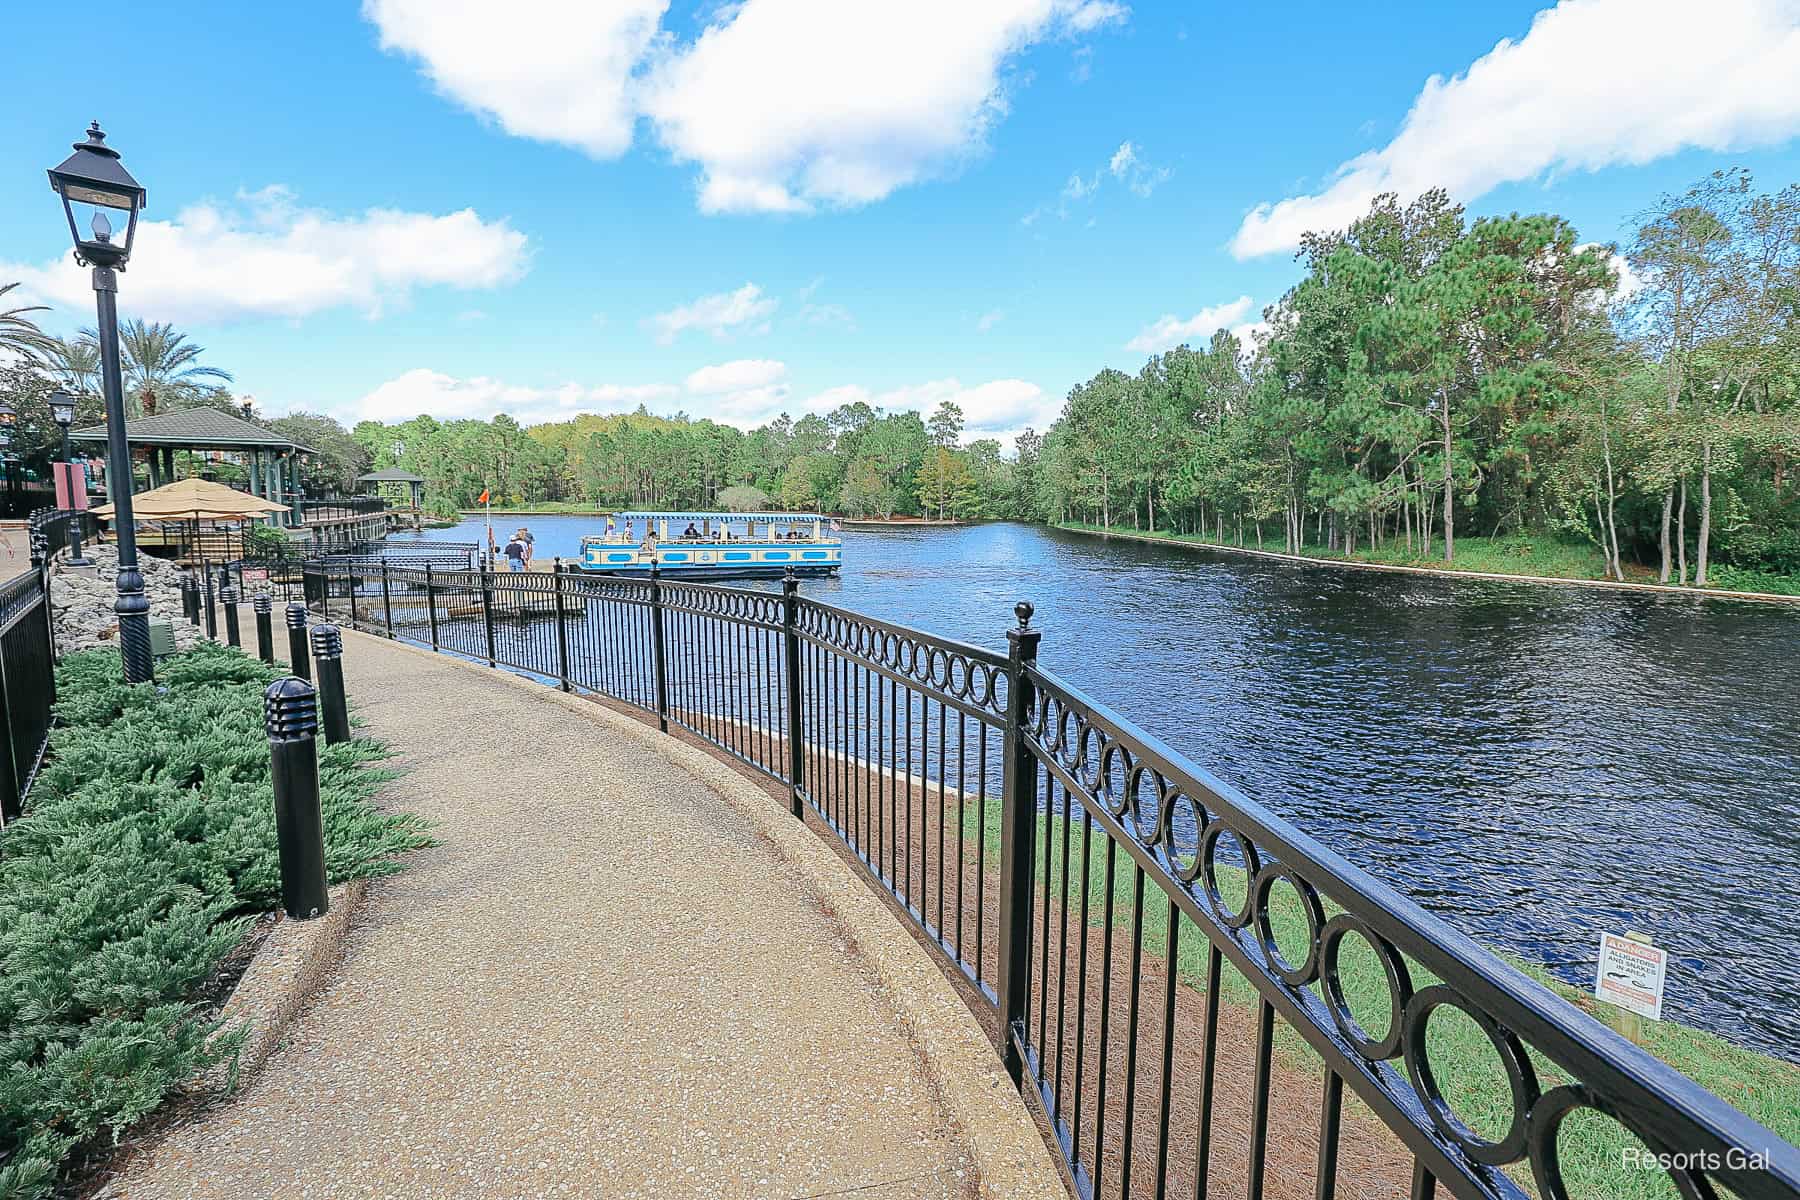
(1073, 871)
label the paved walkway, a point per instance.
(605, 981)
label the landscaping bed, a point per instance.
(145, 858)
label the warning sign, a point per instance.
(1631, 975)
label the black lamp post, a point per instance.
(94, 180)
(62, 407)
(9, 416)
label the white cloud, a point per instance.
(1080, 189)
(1127, 165)
(1592, 84)
(988, 320)
(828, 315)
(1168, 330)
(1092, 15)
(555, 72)
(265, 256)
(736, 376)
(784, 105)
(746, 310)
(1000, 408)
(449, 398)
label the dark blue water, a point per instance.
(1535, 764)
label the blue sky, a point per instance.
(735, 210)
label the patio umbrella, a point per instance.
(195, 500)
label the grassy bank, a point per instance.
(1540, 555)
(146, 849)
(1765, 1088)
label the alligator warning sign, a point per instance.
(1631, 975)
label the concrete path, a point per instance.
(605, 981)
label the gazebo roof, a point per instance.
(390, 475)
(198, 429)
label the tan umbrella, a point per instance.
(195, 500)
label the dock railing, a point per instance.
(1197, 998)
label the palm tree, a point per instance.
(18, 333)
(77, 360)
(159, 365)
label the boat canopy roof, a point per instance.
(719, 516)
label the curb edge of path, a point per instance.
(292, 965)
(1010, 1157)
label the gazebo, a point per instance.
(415, 485)
(273, 460)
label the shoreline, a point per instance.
(1442, 572)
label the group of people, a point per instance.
(517, 550)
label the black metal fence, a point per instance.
(27, 680)
(1198, 998)
(332, 508)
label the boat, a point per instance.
(715, 545)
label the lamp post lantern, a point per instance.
(94, 179)
(62, 407)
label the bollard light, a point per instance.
(296, 623)
(328, 662)
(265, 633)
(228, 597)
(291, 719)
(212, 608)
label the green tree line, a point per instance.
(1431, 378)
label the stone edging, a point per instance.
(1665, 589)
(292, 963)
(1010, 1157)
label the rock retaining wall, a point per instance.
(81, 599)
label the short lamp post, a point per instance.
(62, 407)
(94, 181)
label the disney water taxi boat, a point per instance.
(715, 545)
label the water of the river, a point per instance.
(1535, 764)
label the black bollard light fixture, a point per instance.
(212, 608)
(265, 633)
(296, 623)
(228, 600)
(62, 409)
(94, 181)
(190, 598)
(291, 719)
(328, 663)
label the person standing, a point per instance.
(516, 551)
(524, 535)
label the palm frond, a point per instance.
(20, 334)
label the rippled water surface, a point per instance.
(1536, 764)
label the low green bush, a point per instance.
(146, 849)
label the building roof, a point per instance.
(196, 428)
(390, 475)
